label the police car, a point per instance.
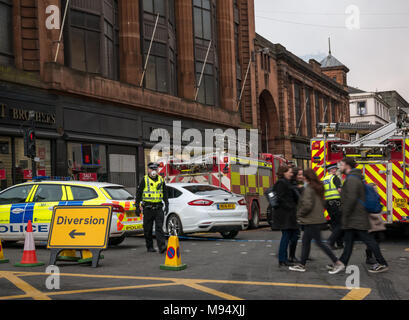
(36, 200)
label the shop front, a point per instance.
(15, 107)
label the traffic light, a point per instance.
(30, 144)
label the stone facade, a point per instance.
(278, 70)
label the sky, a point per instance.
(377, 53)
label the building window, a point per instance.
(237, 47)
(6, 32)
(92, 37)
(161, 72)
(361, 108)
(333, 111)
(297, 101)
(87, 162)
(23, 165)
(317, 109)
(204, 18)
(326, 110)
(308, 111)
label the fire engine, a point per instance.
(382, 155)
(246, 176)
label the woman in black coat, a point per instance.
(285, 215)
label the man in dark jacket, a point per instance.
(355, 218)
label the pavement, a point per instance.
(242, 269)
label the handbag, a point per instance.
(272, 198)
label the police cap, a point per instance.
(332, 166)
(153, 166)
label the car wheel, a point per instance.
(229, 234)
(255, 216)
(116, 241)
(174, 226)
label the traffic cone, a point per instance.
(29, 255)
(2, 260)
(68, 255)
(173, 260)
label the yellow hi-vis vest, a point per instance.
(331, 191)
(153, 191)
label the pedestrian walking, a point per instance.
(355, 218)
(284, 215)
(153, 194)
(377, 228)
(298, 185)
(332, 187)
(310, 215)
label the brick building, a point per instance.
(93, 117)
(293, 96)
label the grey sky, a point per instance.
(377, 55)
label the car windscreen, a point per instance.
(207, 191)
(118, 193)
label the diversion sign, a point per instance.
(85, 227)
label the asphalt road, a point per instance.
(245, 268)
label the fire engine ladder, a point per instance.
(328, 129)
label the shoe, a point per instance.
(294, 260)
(151, 250)
(337, 269)
(371, 261)
(163, 250)
(378, 268)
(330, 267)
(285, 264)
(298, 268)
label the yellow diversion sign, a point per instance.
(80, 227)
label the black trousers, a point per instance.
(336, 223)
(157, 216)
(313, 232)
(351, 235)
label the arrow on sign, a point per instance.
(73, 234)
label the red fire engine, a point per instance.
(249, 177)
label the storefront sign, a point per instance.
(2, 174)
(10, 113)
(88, 177)
(28, 174)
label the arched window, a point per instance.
(204, 20)
(6, 32)
(161, 69)
(92, 37)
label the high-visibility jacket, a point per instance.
(153, 191)
(331, 190)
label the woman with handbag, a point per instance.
(310, 215)
(284, 214)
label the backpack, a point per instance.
(372, 202)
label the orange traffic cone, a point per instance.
(2, 259)
(29, 255)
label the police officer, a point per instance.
(152, 192)
(332, 186)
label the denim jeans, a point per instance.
(288, 236)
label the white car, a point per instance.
(205, 208)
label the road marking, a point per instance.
(24, 286)
(357, 294)
(60, 293)
(195, 285)
(243, 252)
(215, 252)
(354, 294)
